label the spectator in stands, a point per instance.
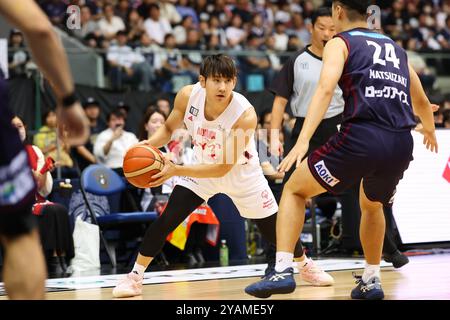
(200, 7)
(88, 25)
(236, 35)
(444, 35)
(47, 140)
(110, 24)
(18, 57)
(215, 29)
(294, 44)
(281, 38)
(169, 12)
(128, 66)
(84, 155)
(156, 26)
(446, 118)
(55, 10)
(112, 143)
(135, 27)
(299, 29)
(122, 10)
(170, 60)
(184, 9)
(257, 28)
(151, 52)
(53, 219)
(163, 105)
(180, 31)
(275, 60)
(256, 64)
(242, 8)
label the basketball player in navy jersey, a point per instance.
(373, 147)
(24, 265)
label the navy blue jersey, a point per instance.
(375, 81)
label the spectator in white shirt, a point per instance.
(112, 143)
(156, 26)
(110, 24)
(128, 66)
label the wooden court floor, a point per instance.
(424, 278)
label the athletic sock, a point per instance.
(139, 270)
(370, 271)
(283, 261)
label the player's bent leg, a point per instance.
(290, 220)
(181, 203)
(372, 230)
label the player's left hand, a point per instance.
(166, 173)
(295, 156)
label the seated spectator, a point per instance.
(110, 148)
(170, 60)
(184, 9)
(110, 24)
(55, 10)
(128, 66)
(281, 38)
(135, 27)
(235, 33)
(299, 29)
(112, 143)
(446, 118)
(163, 105)
(256, 64)
(53, 219)
(180, 31)
(156, 26)
(84, 155)
(444, 35)
(122, 10)
(18, 57)
(169, 12)
(52, 146)
(88, 25)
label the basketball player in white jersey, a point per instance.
(216, 118)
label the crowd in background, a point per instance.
(148, 44)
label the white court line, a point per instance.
(158, 277)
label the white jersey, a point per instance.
(245, 183)
(207, 136)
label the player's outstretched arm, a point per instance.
(334, 57)
(423, 109)
(235, 144)
(175, 120)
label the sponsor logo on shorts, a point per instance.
(265, 194)
(325, 174)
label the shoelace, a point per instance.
(358, 279)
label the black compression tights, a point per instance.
(181, 203)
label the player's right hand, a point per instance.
(429, 138)
(294, 157)
(73, 120)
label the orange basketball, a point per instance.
(140, 163)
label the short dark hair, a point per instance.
(357, 6)
(117, 113)
(320, 12)
(143, 135)
(218, 65)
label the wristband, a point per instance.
(69, 100)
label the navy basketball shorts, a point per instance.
(363, 151)
(17, 186)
